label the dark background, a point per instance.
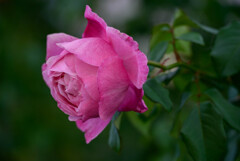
(31, 126)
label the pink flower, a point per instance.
(93, 77)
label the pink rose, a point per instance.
(93, 77)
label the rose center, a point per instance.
(69, 87)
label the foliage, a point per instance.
(210, 116)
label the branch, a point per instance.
(174, 45)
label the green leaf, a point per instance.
(232, 94)
(184, 98)
(166, 76)
(229, 112)
(206, 28)
(177, 123)
(204, 134)
(114, 139)
(157, 93)
(181, 19)
(192, 37)
(226, 50)
(233, 138)
(158, 51)
(213, 133)
(193, 136)
(161, 33)
(183, 47)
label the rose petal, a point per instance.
(86, 72)
(141, 107)
(123, 44)
(54, 59)
(73, 118)
(61, 66)
(88, 108)
(92, 127)
(113, 84)
(63, 104)
(54, 66)
(133, 101)
(137, 69)
(53, 39)
(88, 75)
(135, 62)
(45, 74)
(90, 50)
(69, 60)
(96, 26)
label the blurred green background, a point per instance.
(31, 126)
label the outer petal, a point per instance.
(142, 106)
(45, 75)
(137, 69)
(53, 39)
(123, 44)
(92, 127)
(96, 26)
(90, 50)
(135, 62)
(46, 67)
(113, 84)
(133, 101)
(53, 67)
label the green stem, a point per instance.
(178, 64)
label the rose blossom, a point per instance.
(93, 77)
